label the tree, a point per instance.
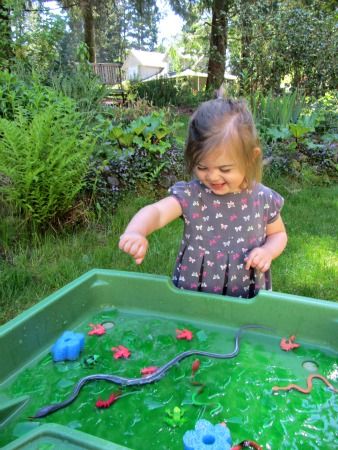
(218, 30)
(89, 27)
(6, 49)
(270, 41)
(218, 43)
(141, 22)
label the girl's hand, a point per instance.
(135, 244)
(259, 258)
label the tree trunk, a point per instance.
(89, 28)
(246, 38)
(6, 49)
(218, 43)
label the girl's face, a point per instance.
(220, 172)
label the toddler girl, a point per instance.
(233, 228)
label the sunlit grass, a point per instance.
(308, 267)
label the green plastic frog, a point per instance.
(91, 361)
(175, 418)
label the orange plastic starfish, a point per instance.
(184, 334)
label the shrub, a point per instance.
(169, 91)
(28, 98)
(83, 86)
(139, 154)
(44, 160)
(273, 114)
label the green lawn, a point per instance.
(309, 265)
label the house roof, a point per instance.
(148, 59)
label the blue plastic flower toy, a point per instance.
(207, 436)
(68, 346)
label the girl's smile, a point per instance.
(220, 172)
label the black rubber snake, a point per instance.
(156, 376)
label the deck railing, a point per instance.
(109, 73)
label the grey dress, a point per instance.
(219, 232)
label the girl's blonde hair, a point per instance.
(221, 121)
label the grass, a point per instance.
(308, 267)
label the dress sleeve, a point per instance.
(275, 203)
(183, 192)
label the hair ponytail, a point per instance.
(219, 93)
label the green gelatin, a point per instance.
(237, 391)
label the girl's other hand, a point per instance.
(259, 258)
(135, 244)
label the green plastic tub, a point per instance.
(142, 303)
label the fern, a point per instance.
(45, 160)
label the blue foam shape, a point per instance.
(207, 436)
(68, 347)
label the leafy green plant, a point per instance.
(145, 132)
(326, 109)
(299, 130)
(44, 160)
(28, 97)
(273, 114)
(142, 153)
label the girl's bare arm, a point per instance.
(150, 218)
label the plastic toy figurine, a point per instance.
(175, 418)
(288, 344)
(308, 389)
(121, 352)
(148, 370)
(91, 361)
(97, 329)
(184, 334)
(247, 444)
(107, 403)
(195, 366)
(68, 346)
(206, 435)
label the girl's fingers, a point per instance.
(134, 249)
(266, 267)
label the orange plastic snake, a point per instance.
(309, 385)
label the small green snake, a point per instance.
(156, 376)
